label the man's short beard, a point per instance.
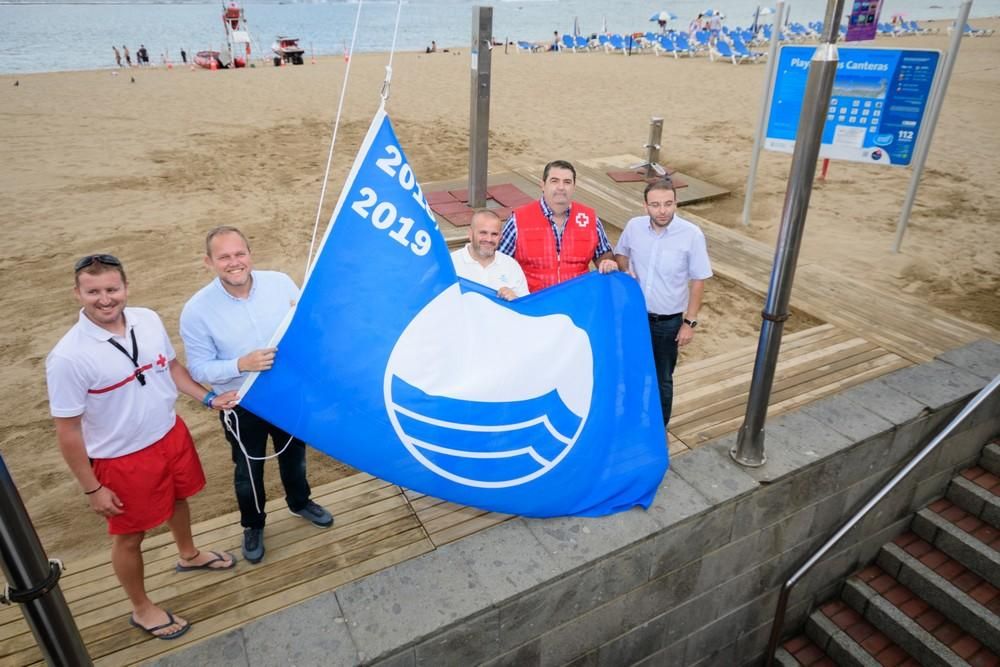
(484, 253)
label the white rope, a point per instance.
(333, 140)
(392, 52)
(226, 415)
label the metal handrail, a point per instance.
(786, 589)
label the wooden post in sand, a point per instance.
(479, 107)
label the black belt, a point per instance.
(653, 317)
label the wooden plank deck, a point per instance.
(865, 333)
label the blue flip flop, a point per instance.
(208, 565)
(152, 631)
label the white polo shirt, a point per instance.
(503, 271)
(89, 376)
(664, 262)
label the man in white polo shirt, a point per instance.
(480, 262)
(113, 382)
(668, 256)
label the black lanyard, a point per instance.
(134, 357)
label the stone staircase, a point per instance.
(932, 596)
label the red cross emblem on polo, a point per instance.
(582, 219)
(161, 361)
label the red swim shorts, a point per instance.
(148, 482)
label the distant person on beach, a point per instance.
(433, 47)
(555, 41)
(663, 25)
(226, 327)
(480, 262)
(112, 384)
(118, 56)
(128, 56)
(184, 56)
(142, 55)
(694, 26)
(667, 255)
(715, 24)
(555, 239)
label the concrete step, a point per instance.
(977, 491)
(801, 651)
(920, 567)
(848, 639)
(907, 620)
(962, 536)
(990, 459)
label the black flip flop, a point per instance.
(152, 631)
(208, 566)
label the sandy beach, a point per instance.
(95, 162)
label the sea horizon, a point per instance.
(52, 36)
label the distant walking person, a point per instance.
(118, 56)
(184, 56)
(142, 55)
(128, 56)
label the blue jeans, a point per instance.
(291, 465)
(664, 335)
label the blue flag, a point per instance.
(545, 406)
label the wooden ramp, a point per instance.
(865, 333)
(711, 394)
(377, 525)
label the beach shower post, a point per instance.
(749, 449)
(32, 581)
(653, 145)
(479, 105)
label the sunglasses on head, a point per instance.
(84, 262)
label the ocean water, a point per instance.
(50, 36)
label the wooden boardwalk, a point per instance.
(864, 333)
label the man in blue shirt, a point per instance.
(227, 327)
(668, 256)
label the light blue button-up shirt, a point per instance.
(665, 261)
(218, 328)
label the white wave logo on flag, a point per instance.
(473, 415)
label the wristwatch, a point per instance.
(691, 323)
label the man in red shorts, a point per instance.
(113, 381)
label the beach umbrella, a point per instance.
(709, 12)
(663, 16)
(761, 11)
(576, 26)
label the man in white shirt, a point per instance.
(112, 382)
(668, 256)
(480, 262)
(227, 327)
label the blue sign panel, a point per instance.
(543, 406)
(876, 108)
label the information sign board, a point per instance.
(876, 108)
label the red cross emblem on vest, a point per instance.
(582, 219)
(161, 361)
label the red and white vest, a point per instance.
(536, 245)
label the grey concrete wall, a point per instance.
(692, 581)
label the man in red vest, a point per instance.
(555, 239)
